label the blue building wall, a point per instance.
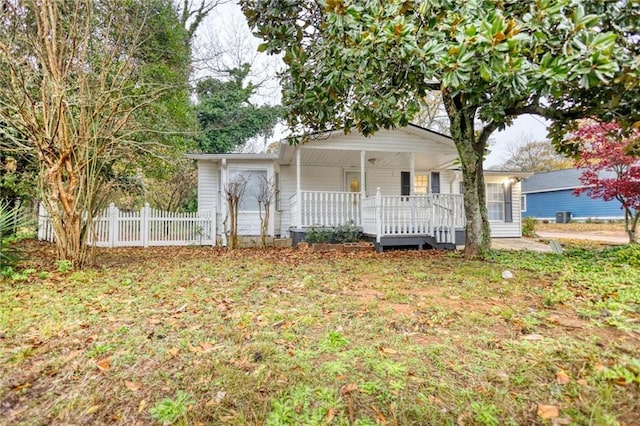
(546, 204)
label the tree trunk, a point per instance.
(631, 225)
(71, 241)
(471, 149)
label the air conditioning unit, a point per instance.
(563, 217)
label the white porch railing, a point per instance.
(325, 208)
(146, 227)
(436, 215)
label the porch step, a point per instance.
(419, 242)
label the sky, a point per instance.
(227, 26)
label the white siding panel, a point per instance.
(388, 180)
(312, 179)
(208, 174)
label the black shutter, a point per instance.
(405, 183)
(435, 182)
(508, 204)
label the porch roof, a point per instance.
(385, 149)
(231, 156)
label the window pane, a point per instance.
(421, 184)
(495, 201)
(253, 179)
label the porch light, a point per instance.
(511, 181)
(372, 161)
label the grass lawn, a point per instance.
(207, 336)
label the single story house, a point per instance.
(402, 187)
(549, 196)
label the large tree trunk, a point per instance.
(66, 219)
(471, 147)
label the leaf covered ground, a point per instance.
(279, 336)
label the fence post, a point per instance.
(42, 222)
(378, 215)
(213, 229)
(113, 225)
(145, 213)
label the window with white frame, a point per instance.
(495, 201)
(523, 203)
(253, 181)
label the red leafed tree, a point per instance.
(609, 172)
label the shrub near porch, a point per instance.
(280, 337)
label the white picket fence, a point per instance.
(144, 228)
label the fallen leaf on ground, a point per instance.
(384, 350)
(435, 400)
(104, 364)
(132, 386)
(330, 415)
(533, 336)
(173, 351)
(92, 409)
(379, 416)
(142, 406)
(349, 388)
(548, 411)
(562, 378)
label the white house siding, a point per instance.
(313, 178)
(401, 140)
(208, 174)
(500, 229)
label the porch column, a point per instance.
(298, 190)
(363, 192)
(223, 200)
(412, 172)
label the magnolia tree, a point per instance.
(609, 171)
(369, 65)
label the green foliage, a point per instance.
(18, 179)
(226, 116)
(485, 414)
(11, 219)
(625, 255)
(334, 340)
(64, 266)
(625, 372)
(303, 405)
(529, 226)
(169, 411)
(346, 233)
(318, 235)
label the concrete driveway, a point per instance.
(520, 244)
(610, 237)
(607, 237)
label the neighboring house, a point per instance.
(400, 186)
(544, 195)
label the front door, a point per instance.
(352, 182)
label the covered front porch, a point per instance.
(398, 186)
(388, 220)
